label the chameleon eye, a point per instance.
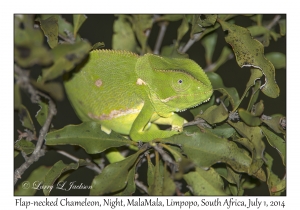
(180, 82)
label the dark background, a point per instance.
(99, 28)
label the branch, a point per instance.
(162, 31)
(190, 42)
(23, 81)
(273, 22)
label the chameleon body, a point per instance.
(132, 94)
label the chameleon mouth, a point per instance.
(166, 100)
(182, 110)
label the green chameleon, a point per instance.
(132, 94)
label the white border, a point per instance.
(9, 8)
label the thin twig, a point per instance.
(190, 42)
(91, 165)
(273, 22)
(23, 80)
(141, 186)
(162, 31)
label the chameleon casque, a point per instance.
(132, 94)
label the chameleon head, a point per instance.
(174, 84)
(179, 90)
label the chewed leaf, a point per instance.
(66, 56)
(28, 43)
(87, 135)
(50, 29)
(250, 53)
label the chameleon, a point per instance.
(132, 94)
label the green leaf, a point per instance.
(123, 37)
(25, 118)
(203, 107)
(277, 58)
(207, 20)
(170, 17)
(98, 45)
(275, 122)
(172, 52)
(28, 43)
(65, 29)
(250, 53)
(258, 109)
(225, 56)
(248, 118)
(215, 114)
(275, 184)
(224, 131)
(42, 114)
(169, 186)
(275, 141)
(206, 149)
(87, 135)
(54, 89)
(161, 182)
(114, 177)
(182, 29)
(32, 183)
(141, 25)
(78, 20)
(217, 84)
(16, 153)
(194, 21)
(253, 134)
(150, 173)
(176, 154)
(282, 26)
(66, 56)
(156, 186)
(25, 146)
(56, 171)
(209, 44)
(254, 95)
(205, 182)
(50, 29)
(130, 187)
(17, 97)
(257, 30)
